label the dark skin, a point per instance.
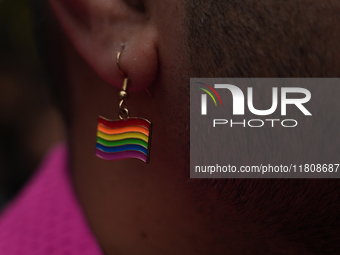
(134, 208)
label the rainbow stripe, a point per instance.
(121, 139)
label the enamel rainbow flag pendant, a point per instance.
(124, 138)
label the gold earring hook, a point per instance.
(123, 94)
(118, 58)
(125, 82)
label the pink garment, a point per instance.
(46, 217)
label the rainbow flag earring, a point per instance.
(126, 137)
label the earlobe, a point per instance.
(139, 60)
(100, 29)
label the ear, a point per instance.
(99, 29)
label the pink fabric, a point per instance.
(46, 218)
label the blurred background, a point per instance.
(29, 123)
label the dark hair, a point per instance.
(49, 39)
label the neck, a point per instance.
(138, 208)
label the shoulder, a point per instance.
(46, 218)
